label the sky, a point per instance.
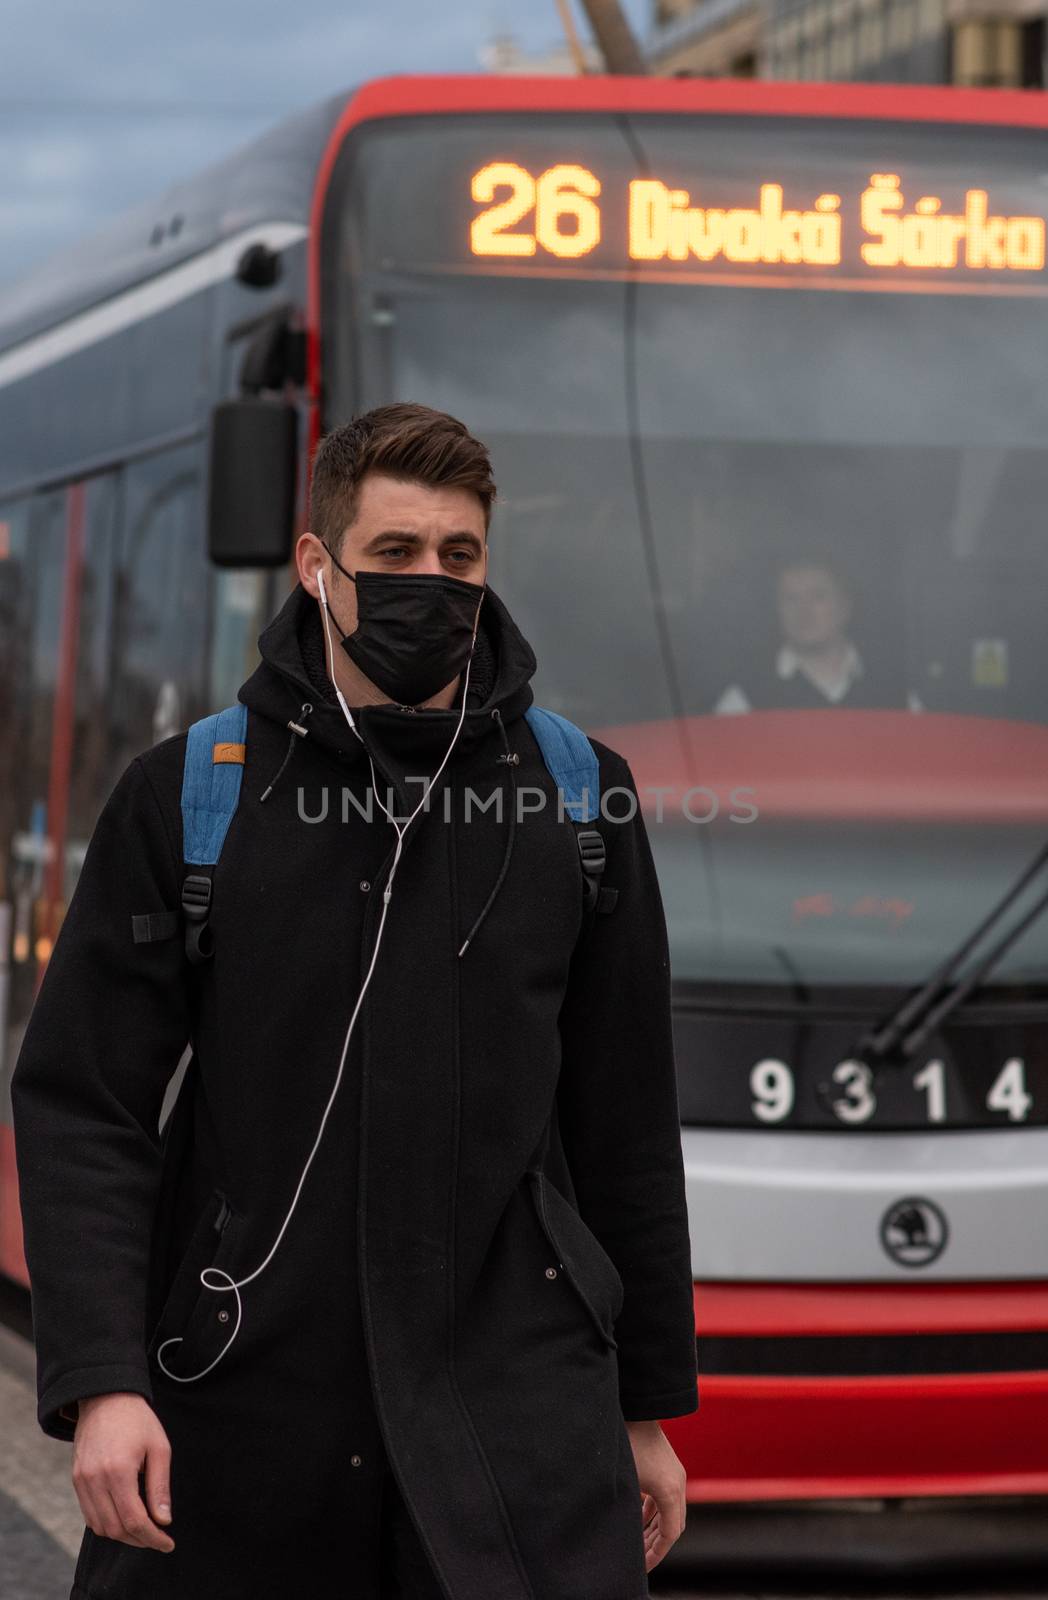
(103, 103)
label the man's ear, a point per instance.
(301, 550)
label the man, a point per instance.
(817, 664)
(449, 1296)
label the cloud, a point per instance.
(103, 105)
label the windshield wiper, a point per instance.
(907, 1029)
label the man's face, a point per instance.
(402, 527)
(813, 608)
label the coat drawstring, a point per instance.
(512, 760)
(508, 756)
(297, 732)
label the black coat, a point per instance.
(512, 1304)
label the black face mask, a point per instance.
(414, 634)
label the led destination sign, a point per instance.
(567, 213)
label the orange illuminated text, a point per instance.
(557, 213)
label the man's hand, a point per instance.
(662, 1480)
(117, 1437)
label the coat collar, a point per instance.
(790, 661)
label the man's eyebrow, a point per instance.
(403, 536)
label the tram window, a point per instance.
(161, 635)
(583, 601)
(31, 588)
(13, 627)
(240, 615)
(95, 766)
(936, 552)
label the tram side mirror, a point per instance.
(251, 482)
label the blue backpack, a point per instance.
(214, 765)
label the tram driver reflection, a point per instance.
(817, 663)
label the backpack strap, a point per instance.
(214, 766)
(572, 763)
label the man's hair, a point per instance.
(816, 560)
(410, 442)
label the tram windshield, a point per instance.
(768, 410)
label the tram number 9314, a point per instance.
(853, 1094)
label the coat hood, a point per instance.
(292, 676)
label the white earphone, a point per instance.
(231, 1286)
(345, 709)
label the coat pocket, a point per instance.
(200, 1318)
(585, 1262)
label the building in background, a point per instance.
(976, 43)
(505, 55)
